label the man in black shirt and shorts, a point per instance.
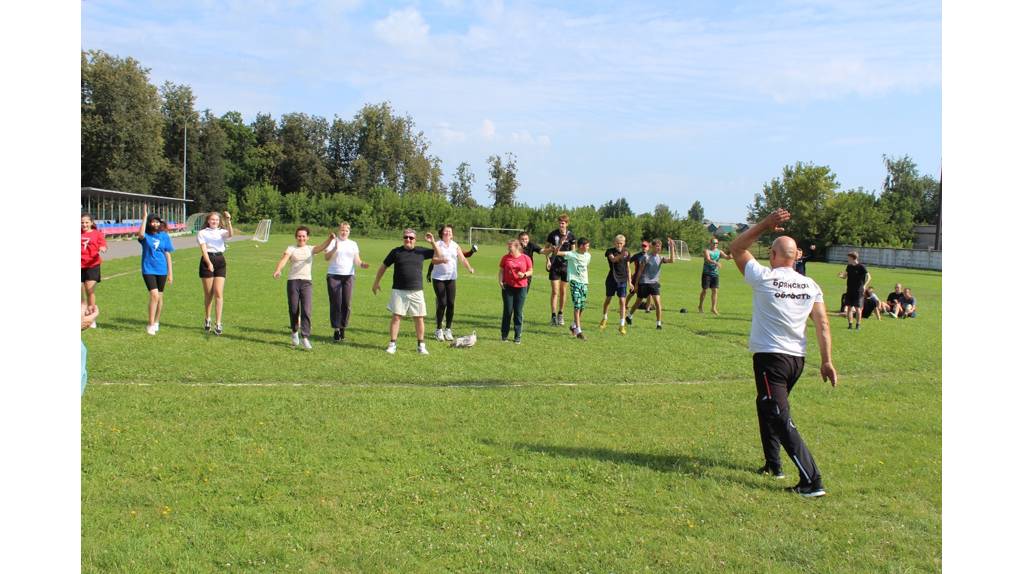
(617, 281)
(561, 239)
(783, 299)
(407, 286)
(857, 280)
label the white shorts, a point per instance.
(407, 303)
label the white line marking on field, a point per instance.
(116, 275)
(426, 386)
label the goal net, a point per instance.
(195, 222)
(491, 234)
(682, 252)
(262, 231)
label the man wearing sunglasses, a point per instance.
(407, 286)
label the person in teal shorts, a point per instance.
(709, 275)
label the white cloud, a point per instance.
(449, 135)
(402, 28)
(487, 130)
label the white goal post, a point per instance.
(682, 252)
(262, 231)
(478, 229)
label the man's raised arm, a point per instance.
(740, 246)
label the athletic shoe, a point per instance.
(448, 336)
(392, 348)
(422, 349)
(337, 335)
(306, 343)
(602, 324)
(629, 320)
(216, 330)
(151, 329)
(647, 310)
(849, 326)
(572, 329)
(858, 327)
(156, 326)
(893, 315)
(658, 327)
(439, 335)
(622, 329)
(504, 339)
(295, 339)
(342, 335)
(581, 336)
(769, 472)
(554, 321)
(518, 341)
(561, 320)
(807, 490)
(93, 325)
(206, 325)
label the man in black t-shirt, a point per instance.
(892, 304)
(561, 239)
(529, 248)
(617, 281)
(634, 278)
(857, 279)
(407, 286)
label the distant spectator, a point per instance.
(872, 304)
(801, 260)
(892, 305)
(909, 304)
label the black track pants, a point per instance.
(775, 375)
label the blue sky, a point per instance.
(657, 102)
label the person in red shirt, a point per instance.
(93, 243)
(515, 270)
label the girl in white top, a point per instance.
(300, 282)
(213, 268)
(447, 254)
(343, 255)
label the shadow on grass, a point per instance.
(678, 464)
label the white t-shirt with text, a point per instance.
(783, 300)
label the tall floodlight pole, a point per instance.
(184, 172)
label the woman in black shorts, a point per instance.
(213, 268)
(93, 244)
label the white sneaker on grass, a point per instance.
(151, 329)
(93, 326)
(295, 339)
(392, 348)
(439, 335)
(448, 336)
(156, 326)
(422, 349)
(306, 343)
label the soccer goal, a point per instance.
(195, 222)
(682, 252)
(490, 234)
(262, 231)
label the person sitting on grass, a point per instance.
(908, 305)
(872, 303)
(576, 273)
(891, 305)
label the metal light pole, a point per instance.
(184, 173)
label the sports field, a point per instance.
(615, 454)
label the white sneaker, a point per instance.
(151, 329)
(392, 348)
(448, 336)
(93, 326)
(156, 326)
(306, 343)
(439, 335)
(295, 339)
(422, 349)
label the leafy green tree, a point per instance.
(239, 140)
(696, 212)
(261, 201)
(460, 190)
(211, 185)
(618, 208)
(304, 152)
(178, 109)
(122, 128)
(503, 184)
(908, 194)
(803, 189)
(856, 218)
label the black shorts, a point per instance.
(869, 306)
(648, 289)
(854, 299)
(559, 272)
(220, 266)
(91, 274)
(155, 282)
(613, 287)
(708, 281)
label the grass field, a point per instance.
(617, 454)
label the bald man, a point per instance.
(782, 301)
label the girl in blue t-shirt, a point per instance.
(157, 269)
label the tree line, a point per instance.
(376, 171)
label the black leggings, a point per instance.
(445, 292)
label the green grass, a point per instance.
(496, 458)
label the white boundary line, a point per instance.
(424, 386)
